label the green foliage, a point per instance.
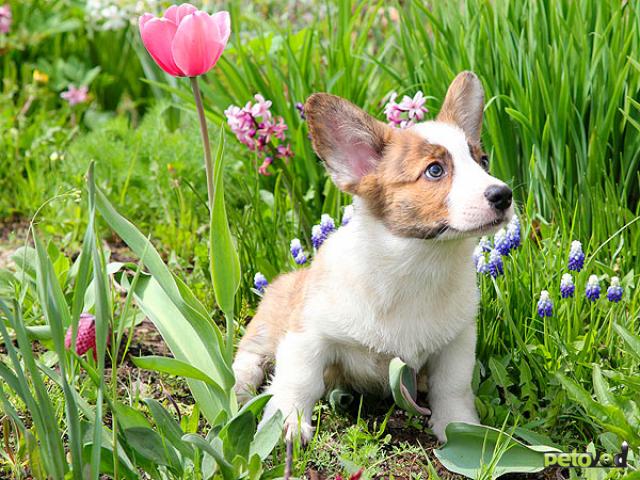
(562, 126)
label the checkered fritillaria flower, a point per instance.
(501, 242)
(545, 305)
(567, 287)
(495, 264)
(592, 291)
(576, 256)
(260, 282)
(85, 336)
(614, 292)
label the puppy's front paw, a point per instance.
(439, 423)
(297, 427)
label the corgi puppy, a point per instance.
(398, 280)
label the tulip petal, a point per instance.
(157, 35)
(197, 45)
(144, 19)
(223, 22)
(176, 13)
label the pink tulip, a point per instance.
(185, 42)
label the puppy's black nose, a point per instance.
(499, 196)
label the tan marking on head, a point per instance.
(400, 195)
(477, 153)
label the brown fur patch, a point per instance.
(478, 154)
(398, 193)
(336, 125)
(280, 311)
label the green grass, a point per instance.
(562, 126)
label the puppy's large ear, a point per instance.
(349, 140)
(463, 105)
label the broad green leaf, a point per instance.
(266, 439)
(168, 427)
(237, 435)
(630, 339)
(472, 450)
(185, 344)
(224, 260)
(148, 443)
(402, 380)
(215, 450)
(176, 367)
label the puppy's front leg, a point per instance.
(298, 382)
(449, 375)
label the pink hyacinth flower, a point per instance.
(5, 18)
(75, 95)
(185, 42)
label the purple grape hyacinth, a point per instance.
(513, 233)
(501, 242)
(614, 292)
(495, 263)
(567, 287)
(481, 265)
(317, 237)
(327, 225)
(545, 305)
(347, 215)
(260, 282)
(297, 252)
(576, 256)
(593, 288)
(485, 244)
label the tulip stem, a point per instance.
(208, 163)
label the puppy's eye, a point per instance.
(484, 161)
(434, 171)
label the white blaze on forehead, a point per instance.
(468, 207)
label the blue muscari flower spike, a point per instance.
(481, 265)
(300, 258)
(545, 305)
(576, 256)
(593, 288)
(295, 247)
(614, 292)
(317, 237)
(297, 253)
(501, 242)
(327, 224)
(513, 232)
(260, 282)
(347, 215)
(485, 244)
(567, 287)
(495, 263)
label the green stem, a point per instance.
(208, 163)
